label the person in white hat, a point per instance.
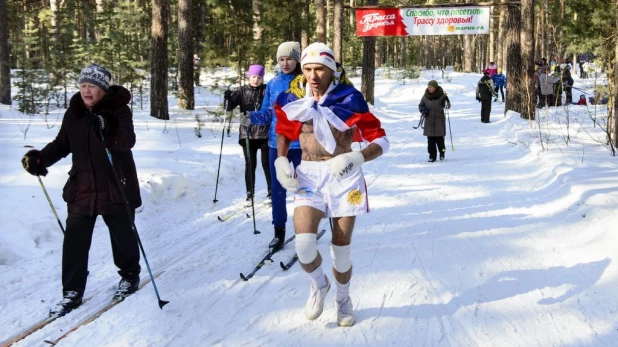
(329, 181)
(288, 60)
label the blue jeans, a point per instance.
(280, 213)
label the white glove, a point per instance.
(344, 165)
(284, 174)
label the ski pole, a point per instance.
(132, 220)
(50, 203)
(420, 121)
(250, 173)
(220, 150)
(449, 129)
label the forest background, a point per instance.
(149, 45)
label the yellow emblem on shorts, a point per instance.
(355, 197)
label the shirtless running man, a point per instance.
(329, 181)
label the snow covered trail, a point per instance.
(499, 245)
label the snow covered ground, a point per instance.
(506, 243)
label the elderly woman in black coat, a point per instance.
(432, 106)
(97, 119)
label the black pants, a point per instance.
(485, 110)
(433, 143)
(501, 88)
(196, 77)
(568, 90)
(254, 146)
(76, 246)
(547, 100)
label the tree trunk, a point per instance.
(199, 21)
(258, 26)
(515, 67)
(320, 20)
(527, 56)
(338, 30)
(501, 59)
(304, 14)
(90, 22)
(158, 58)
(368, 67)
(492, 37)
(185, 56)
(615, 129)
(468, 53)
(5, 67)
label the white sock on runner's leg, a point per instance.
(317, 276)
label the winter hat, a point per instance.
(486, 71)
(318, 53)
(499, 70)
(433, 83)
(97, 75)
(255, 70)
(289, 49)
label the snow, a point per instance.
(508, 242)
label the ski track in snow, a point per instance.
(478, 250)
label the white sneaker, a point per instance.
(345, 313)
(315, 303)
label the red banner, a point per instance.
(380, 22)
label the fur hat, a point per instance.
(432, 83)
(97, 75)
(255, 70)
(318, 53)
(289, 49)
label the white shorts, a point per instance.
(336, 198)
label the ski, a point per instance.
(294, 258)
(240, 212)
(97, 313)
(262, 262)
(40, 325)
(230, 215)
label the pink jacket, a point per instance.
(492, 69)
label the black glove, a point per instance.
(447, 105)
(33, 163)
(478, 98)
(227, 94)
(98, 123)
(107, 123)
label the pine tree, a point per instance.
(5, 65)
(185, 59)
(159, 60)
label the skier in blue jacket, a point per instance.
(288, 59)
(500, 83)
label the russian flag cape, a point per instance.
(342, 106)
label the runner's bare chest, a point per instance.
(314, 151)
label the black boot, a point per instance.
(249, 198)
(277, 242)
(126, 287)
(69, 302)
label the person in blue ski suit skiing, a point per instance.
(500, 83)
(288, 59)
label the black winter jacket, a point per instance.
(249, 99)
(435, 122)
(92, 188)
(485, 88)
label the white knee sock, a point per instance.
(318, 278)
(343, 290)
